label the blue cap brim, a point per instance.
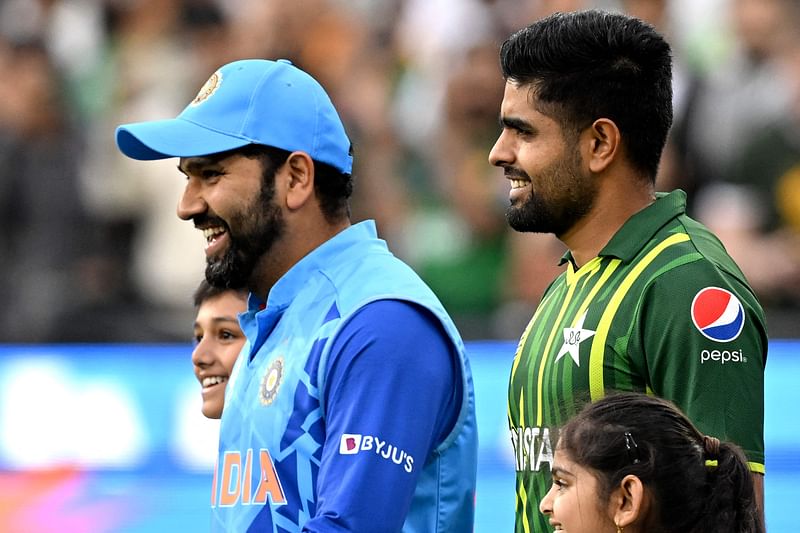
(175, 137)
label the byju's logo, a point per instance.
(349, 444)
(717, 314)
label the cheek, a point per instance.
(228, 358)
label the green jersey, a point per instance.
(662, 309)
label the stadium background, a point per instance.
(100, 428)
(97, 439)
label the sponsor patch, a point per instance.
(351, 444)
(717, 314)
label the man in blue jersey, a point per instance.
(351, 405)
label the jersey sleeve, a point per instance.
(392, 393)
(703, 336)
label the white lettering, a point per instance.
(545, 454)
(379, 444)
(382, 449)
(722, 356)
(398, 460)
(409, 464)
(533, 447)
(366, 443)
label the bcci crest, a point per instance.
(272, 381)
(209, 88)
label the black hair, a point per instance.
(332, 187)
(592, 64)
(633, 433)
(206, 291)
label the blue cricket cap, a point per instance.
(252, 101)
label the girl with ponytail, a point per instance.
(634, 463)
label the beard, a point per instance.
(252, 232)
(563, 196)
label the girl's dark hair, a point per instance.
(591, 64)
(699, 484)
(206, 291)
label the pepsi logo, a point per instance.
(717, 314)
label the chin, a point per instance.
(212, 412)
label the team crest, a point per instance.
(717, 314)
(272, 381)
(209, 88)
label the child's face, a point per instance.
(573, 503)
(218, 340)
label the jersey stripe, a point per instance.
(568, 400)
(597, 353)
(546, 352)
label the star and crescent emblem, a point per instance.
(573, 337)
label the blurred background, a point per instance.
(99, 272)
(93, 251)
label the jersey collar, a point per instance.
(322, 257)
(640, 228)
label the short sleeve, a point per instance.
(703, 337)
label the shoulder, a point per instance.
(397, 321)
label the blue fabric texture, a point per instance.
(351, 407)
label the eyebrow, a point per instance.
(559, 471)
(219, 319)
(195, 164)
(515, 123)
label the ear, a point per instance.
(628, 502)
(299, 168)
(602, 140)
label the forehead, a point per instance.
(228, 303)
(520, 101)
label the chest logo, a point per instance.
(717, 314)
(573, 337)
(272, 381)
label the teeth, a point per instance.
(518, 184)
(209, 233)
(213, 380)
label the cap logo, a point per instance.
(208, 88)
(718, 314)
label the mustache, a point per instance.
(511, 172)
(205, 220)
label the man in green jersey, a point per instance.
(649, 299)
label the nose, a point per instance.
(500, 154)
(191, 202)
(202, 355)
(546, 505)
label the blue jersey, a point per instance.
(351, 405)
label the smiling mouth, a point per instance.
(212, 234)
(211, 381)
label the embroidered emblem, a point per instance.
(272, 381)
(573, 337)
(209, 88)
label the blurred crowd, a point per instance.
(93, 251)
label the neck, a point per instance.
(613, 206)
(294, 245)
